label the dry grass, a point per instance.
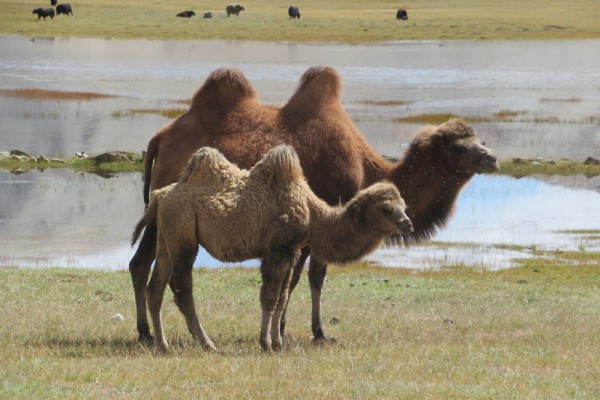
(41, 94)
(530, 333)
(351, 21)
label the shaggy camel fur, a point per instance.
(269, 213)
(337, 160)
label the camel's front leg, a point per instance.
(316, 276)
(274, 268)
(139, 268)
(184, 298)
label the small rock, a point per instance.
(334, 321)
(112, 157)
(552, 162)
(518, 161)
(117, 318)
(448, 321)
(19, 153)
(41, 159)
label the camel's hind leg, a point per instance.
(274, 268)
(155, 293)
(184, 297)
(139, 268)
(276, 337)
(297, 273)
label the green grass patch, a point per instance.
(520, 168)
(386, 103)
(527, 332)
(129, 162)
(351, 21)
(167, 113)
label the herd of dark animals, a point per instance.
(293, 12)
(65, 9)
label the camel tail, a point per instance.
(151, 153)
(149, 216)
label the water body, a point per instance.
(61, 218)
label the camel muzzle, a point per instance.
(405, 226)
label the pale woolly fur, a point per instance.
(269, 213)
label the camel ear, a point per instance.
(356, 211)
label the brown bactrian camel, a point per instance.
(337, 160)
(270, 213)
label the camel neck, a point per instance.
(429, 192)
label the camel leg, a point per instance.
(155, 293)
(139, 268)
(182, 281)
(316, 276)
(274, 268)
(297, 273)
(276, 337)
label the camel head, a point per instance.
(381, 208)
(223, 88)
(456, 149)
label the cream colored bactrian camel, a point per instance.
(270, 213)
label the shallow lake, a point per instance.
(550, 89)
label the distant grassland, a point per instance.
(334, 20)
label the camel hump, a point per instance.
(224, 87)
(205, 163)
(280, 164)
(318, 85)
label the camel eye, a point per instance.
(459, 149)
(388, 210)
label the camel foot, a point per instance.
(144, 333)
(324, 340)
(145, 338)
(210, 347)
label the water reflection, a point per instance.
(62, 218)
(460, 77)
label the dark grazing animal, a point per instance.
(208, 15)
(227, 114)
(402, 14)
(186, 14)
(235, 10)
(52, 2)
(44, 12)
(64, 9)
(294, 12)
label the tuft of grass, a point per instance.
(41, 94)
(452, 334)
(386, 103)
(558, 100)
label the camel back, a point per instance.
(222, 89)
(318, 86)
(280, 164)
(206, 163)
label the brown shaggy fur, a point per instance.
(337, 160)
(269, 213)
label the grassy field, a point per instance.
(531, 332)
(340, 21)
